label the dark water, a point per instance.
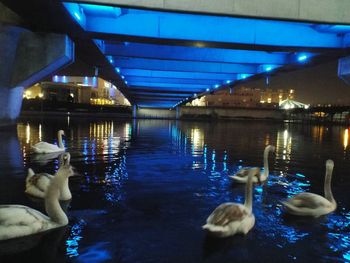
(148, 186)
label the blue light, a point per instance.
(102, 18)
(268, 68)
(94, 81)
(126, 82)
(302, 58)
(195, 95)
(207, 89)
(64, 79)
(122, 77)
(216, 86)
(117, 69)
(228, 81)
(243, 76)
(77, 16)
(55, 78)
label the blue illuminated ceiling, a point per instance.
(166, 58)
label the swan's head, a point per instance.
(270, 148)
(64, 159)
(61, 132)
(329, 164)
(255, 171)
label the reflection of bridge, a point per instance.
(164, 53)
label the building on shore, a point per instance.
(86, 90)
(244, 97)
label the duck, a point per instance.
(37, 184)
(231, 218)
(242, 175)
(45, 147)
(310, 204)
(20, 221)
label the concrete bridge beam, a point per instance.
(300, 10)
(26, 58)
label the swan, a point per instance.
(242, 175)
(231, 218)
(19, 221)
(44, 147)
(310, 204)
(37, 184)
(43, 159)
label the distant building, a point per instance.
(275, 96)
(244, 97)
(89, 90)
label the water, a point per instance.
(148, 186)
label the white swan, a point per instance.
(309, 204)
(44, 147)
(231, 218)
(242, 175)
(37, 184)
(19, 221)
(43, 159)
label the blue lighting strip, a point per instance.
(157, 24)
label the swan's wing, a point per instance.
(226, 213)
(40, 180)
(45, 158)
(18, 220)
(44, 147)
(308, 200)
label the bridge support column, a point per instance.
(344, 69)
(26, 58)
(177, 116)
(134, 111)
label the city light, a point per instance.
(117, 69)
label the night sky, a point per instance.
(313, 85)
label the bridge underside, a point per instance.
(162, 58)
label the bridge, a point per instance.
(162, 53)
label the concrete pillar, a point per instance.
(10, 104)
(134, 111)
(177, 113)
(26, 58)
(344, 69)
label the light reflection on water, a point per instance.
(159, 180)
(74, 238)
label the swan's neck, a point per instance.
(248, 203)
(65, 191)
(52, 205)
(60, 143)
(327, 185)
(266, 164)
